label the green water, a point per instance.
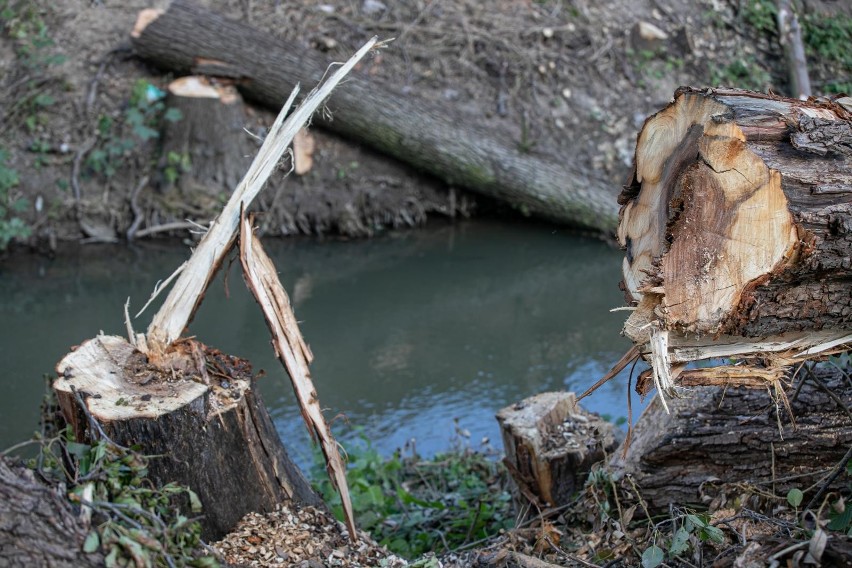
(410, 331)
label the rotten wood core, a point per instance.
(737, 226)
(200, 416)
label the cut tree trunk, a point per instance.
(198, 413)
(37, 525)
(730, 442)
(206, 150)
(551, 444)
(738, 228)
(191, 39)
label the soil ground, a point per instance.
(560, 79)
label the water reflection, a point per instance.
(410, 331)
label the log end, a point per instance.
(144, 19)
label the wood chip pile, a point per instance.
(302, 537)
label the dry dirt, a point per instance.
(560, 79)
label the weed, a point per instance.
(11, 226)
(138, 124)
(22, 22)
(413, 506)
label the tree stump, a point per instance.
(551, 444)
(206, 149)
(197, 412)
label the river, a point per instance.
(416, 334)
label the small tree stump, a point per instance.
(206, 150)
(197, 413)
(551, 444)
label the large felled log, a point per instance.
(551, 444)
(37, 525)
(724, 436)
(198, 414)
(191, 39)
(738, 228)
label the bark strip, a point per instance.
(262, 279)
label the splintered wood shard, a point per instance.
(188, 291)
(737, 226)
(262, 279)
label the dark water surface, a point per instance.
(409, 331)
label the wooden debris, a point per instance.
(303, 152)
(262, 279)
(188, 291)
(303, 537)
(551, 444)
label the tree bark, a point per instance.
(551, 445)
(738, 226)
(37, 525)
(198, 414)
(719, 437)
(190, 39)
(206, 151)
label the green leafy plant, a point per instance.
(413, 505)
(133, 522)
(11, 226)
(176, 165)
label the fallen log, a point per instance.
(37, 524)
(737, 226)
(738, 443)
(187, 38)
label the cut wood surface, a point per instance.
(719, 436)
(551, 444)
(188, 39)
(201, 418)
(262, 279)
(737, 226)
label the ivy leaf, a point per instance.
(652, 557)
